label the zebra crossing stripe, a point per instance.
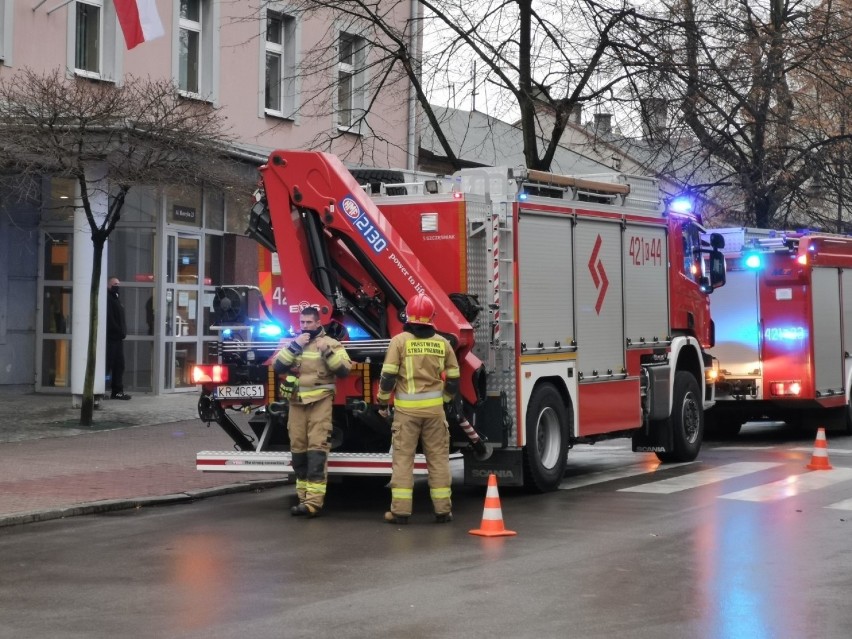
(831, 451)
(700, 478)
(792, 486)
(846, 504)
(611, 475)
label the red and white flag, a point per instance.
(139, 21)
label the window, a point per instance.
(350, 79)
(196, 48)
(87, 55)
(190, 46)
(6, 31)
(93, 37)
(692, 262)
(280, 64)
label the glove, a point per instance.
(289, 387)
(383, 409)
(451, 412)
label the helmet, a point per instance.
(420, 309)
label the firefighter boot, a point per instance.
(300, 470)
(315, 486)
(304, 510)
(443, 518)
(400, 520)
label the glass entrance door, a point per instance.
(53, 364)
(182, 327)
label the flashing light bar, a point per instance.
(209, 374)
(753, 260)
(269, 330)
(786, 389)
(681, 205)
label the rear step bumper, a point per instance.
(230, 461)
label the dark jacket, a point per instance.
(116, 327)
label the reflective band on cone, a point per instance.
(819, 459)
(492, 514)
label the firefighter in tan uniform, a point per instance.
(415, 363)
(310, 364)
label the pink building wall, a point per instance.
(44, 41)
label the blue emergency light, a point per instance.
(681, 205)
(269, 331)
(753, 260)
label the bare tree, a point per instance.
(526, 58)
(107, 138)
(757, 92)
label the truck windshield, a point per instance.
(692, 262)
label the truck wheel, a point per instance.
(546, 452)
(375, 177)
(849, 417)
(686, 420)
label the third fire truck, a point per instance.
(578, 307)
(783, 329)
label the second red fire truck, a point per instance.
(578, 307)
(783, 329)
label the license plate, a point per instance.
(250, 391)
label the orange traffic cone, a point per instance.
(819, 460)
(492, 514)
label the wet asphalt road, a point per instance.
(745, 543)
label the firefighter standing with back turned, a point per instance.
(412, 370)
(310, 364)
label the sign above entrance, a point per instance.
(184, 215)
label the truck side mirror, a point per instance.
(718, 269)
(717, 241)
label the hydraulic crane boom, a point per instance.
(326, 228)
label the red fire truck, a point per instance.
(578, 307)
(782, 337)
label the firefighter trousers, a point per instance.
(433, 432)
(309, 426)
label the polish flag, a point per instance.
(139, 21)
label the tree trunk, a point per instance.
(88, 406)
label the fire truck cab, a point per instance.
(783, 336)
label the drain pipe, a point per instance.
(412, 96)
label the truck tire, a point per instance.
(848, 415)
(686, 421)
(546, 452)
(375, 177)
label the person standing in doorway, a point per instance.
(309, 366)
(422, 372)
(116, 332)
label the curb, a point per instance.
(110, 505)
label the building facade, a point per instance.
(279, 84)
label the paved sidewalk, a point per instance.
(139, 452)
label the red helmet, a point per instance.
(420, 309)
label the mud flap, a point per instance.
(657, 438)
(506, 464)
